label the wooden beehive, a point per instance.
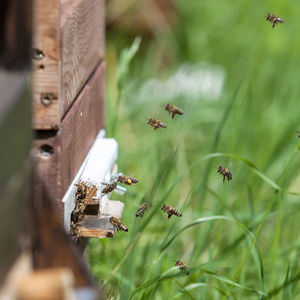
(68, 114)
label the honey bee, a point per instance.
(80, 191)
(225, 172)
(141, 210)
(182, 266)
(85, 191)
(274, 19)
(127, 180)
(117, 224)
(298, 133)
(156, 123)
(174, 110)
(171, 211)
(109, 187)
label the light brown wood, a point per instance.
(99, 226)
(46, 75)
(21, 267)
(48, 284)
(70, 36)
(82, 28)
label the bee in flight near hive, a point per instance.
(225, 172)
(127, 180)
(118, 224)
(182, 266)
(156, 123)
(109, 187)
(142, 209)
(173, 110)
(274, 19)
(171, 211)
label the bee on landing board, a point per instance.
(182, 266)
(142, 209)
(274, 19)
(156, 123)
(109, 187)
(225, 172)
(80, 191)
(118, 224)
(173, 110)
(171, 211)
(127, 180)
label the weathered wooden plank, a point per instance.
(59, 154)
(48, 284)
(81, 126)
(99, 226)
(46, 64)
(51, 245)
(82, 28)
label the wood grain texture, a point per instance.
(46, 75)
(81, 125)
(48, 284)
(99, 226)
(72, 142)
(52, 247)
(82, 28)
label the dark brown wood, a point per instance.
(51, 245)
(82, 29)
(59, 154)
(81, 126)
(15, 34)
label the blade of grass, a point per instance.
(214, 218)
(125, 58)
(216, 140)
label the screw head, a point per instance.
(37, 54)
(46, 99)
(46, 151)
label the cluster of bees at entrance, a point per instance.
(85, 192)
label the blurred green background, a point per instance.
(237, 80)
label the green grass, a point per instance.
(240, 238)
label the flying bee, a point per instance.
(127, 180)
(109, 187)
(182, 266)
(274, 19)
(225, 172)
(171, 211)
(142, 209)
(298, 133)
(117, 224)
(173, 110)
(156, 123)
